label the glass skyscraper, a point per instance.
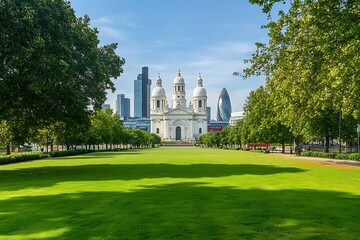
(223, 106)
(123, 106)
(142, 94)
(138, 96)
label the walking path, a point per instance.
(330, 161)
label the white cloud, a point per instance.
(112, 33)
(107, 20)
(231, 48)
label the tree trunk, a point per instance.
(283, 147)
(327, 143)
(8, 149)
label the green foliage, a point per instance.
(52, 68)
(311, 64)
(354, 156)
(341, 156)
(21, 157)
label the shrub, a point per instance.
(342, 156)
(354, 156)
(318, 154)
(305, 154)
(21, 157)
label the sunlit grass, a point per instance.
(178, 193)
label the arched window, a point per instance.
(158, 103)
(157, 131)
(178, 88)
(200, 130)
(200, 104)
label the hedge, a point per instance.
(22, 157)
(345, 156)
(13, 158)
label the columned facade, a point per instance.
(180, 122)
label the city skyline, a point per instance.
(203, 36)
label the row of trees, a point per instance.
(105, 128)
(52, 70)
(312, 69)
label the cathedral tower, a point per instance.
(158, 97)
(199, 97)
(179, 94)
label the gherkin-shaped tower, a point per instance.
(223, 106)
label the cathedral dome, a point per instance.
(199, 92)
(179, 78)
(158, 92)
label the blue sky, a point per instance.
(210, 37)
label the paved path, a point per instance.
(326, 160)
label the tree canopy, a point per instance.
(312, 65)
(52, 67)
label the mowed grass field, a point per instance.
(179, 193)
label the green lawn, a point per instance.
(179, 193)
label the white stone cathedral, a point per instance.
(180, 122)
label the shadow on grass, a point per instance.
(49, 176)
(185, 211)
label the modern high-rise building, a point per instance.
(127, 108)
(142, 94)
(138, 96)
(146, 83)
(223, 106)
(122, 106)
(208, 109)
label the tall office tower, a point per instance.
(138, 96)
(208, 109)
(123, 106)
(119, 104)
(223, 106)
(146, 83)
(127, 108)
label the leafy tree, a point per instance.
(311, 64)
(262, 120)
(51, 67)
(5, 136)
(155, 139)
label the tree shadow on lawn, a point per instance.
(185, 211)
(49, 176)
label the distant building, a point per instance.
(236, 116)
(180, 122)
(138, 96)
(217, 126)
(127, 108)
(122, 106)
(138, 123)
(223, 107)
(105, 106)
(208, 109)
(142, 94)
